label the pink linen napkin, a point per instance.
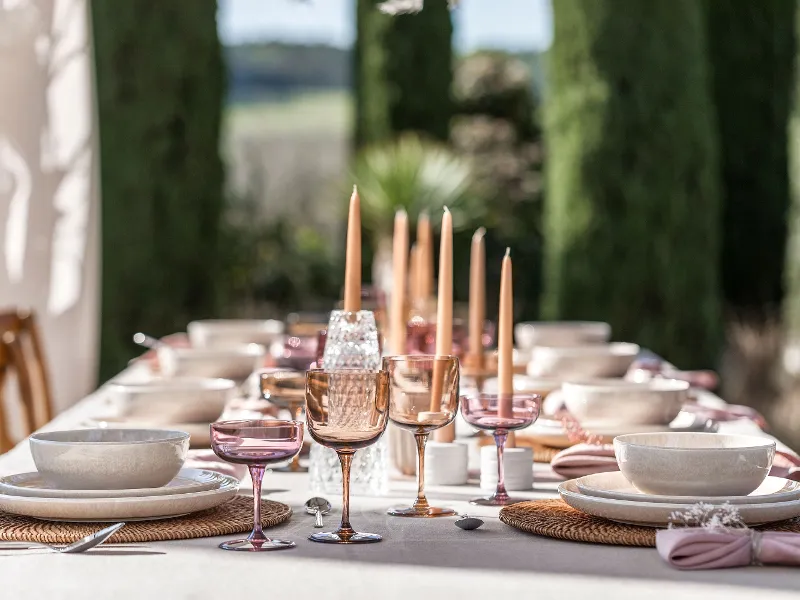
(700, 548)
(586, 459)
(206, 459)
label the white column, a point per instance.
(49, 200)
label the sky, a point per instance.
(502, 24)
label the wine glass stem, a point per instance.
(257, 474)
(421, 502)
(500, 440)
(346, 459)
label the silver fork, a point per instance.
(82, 545)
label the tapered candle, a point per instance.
(444, 321)
(352, 269)
(399, 260)
(413, 275)
(444, 308)
(505, 340)
(477, 298)
(425, 245)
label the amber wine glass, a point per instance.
(423, 396)
(285, 388)
(346, 410)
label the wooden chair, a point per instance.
(22, 355)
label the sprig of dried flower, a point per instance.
(575, 432)
(708, 516)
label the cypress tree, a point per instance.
(402, 72)
(752, 49)
(160, 91)
(632, 212)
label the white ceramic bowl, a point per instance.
(694, 464)
(579, 362)
(524, 384)
(616, 401)
(226, 363)
(178, 400)
(560, 333)
(109, 459)
(230, 333)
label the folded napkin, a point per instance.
(206, 459)
(586, 459)
(701, 548)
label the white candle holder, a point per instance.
(446, 463)
(518, 465)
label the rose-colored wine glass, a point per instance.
(423, 396)
(346, 410)
(500, 414)
(286, 389)
(256, 444)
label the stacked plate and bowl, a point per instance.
(687, 479)
(100, 475)
(194, 384)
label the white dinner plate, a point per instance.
(34, 485)
(614, 485)
(660, 514)
(139, 508)
(550, 432)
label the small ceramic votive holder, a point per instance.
(446, 463)
(518, 468)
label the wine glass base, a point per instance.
(496, 501)
(332, 537)
(421, 513)
(251, 546)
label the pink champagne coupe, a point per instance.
(500, 414)
(256, 443)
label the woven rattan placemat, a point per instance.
(556, 519)
(235, 516)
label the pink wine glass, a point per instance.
(500, 414)
(256, 443)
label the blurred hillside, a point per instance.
(272, 71)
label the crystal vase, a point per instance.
(351, 343)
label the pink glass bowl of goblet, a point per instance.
(256, 443)
(500, 414)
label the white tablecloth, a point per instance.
(417, 559)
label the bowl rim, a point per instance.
(762, 443)
(272, 325)
(574, 325)
(239, 351)
(618, 384)
(620, 349)
(176, 384)
(170, 435)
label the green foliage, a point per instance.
(160, 88)
(632, 215)
(402, 73)
(497, 131)
(412, 174)
(752, 49)
(273, 265)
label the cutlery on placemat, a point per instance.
(82, 545)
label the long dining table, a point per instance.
(428, 558)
